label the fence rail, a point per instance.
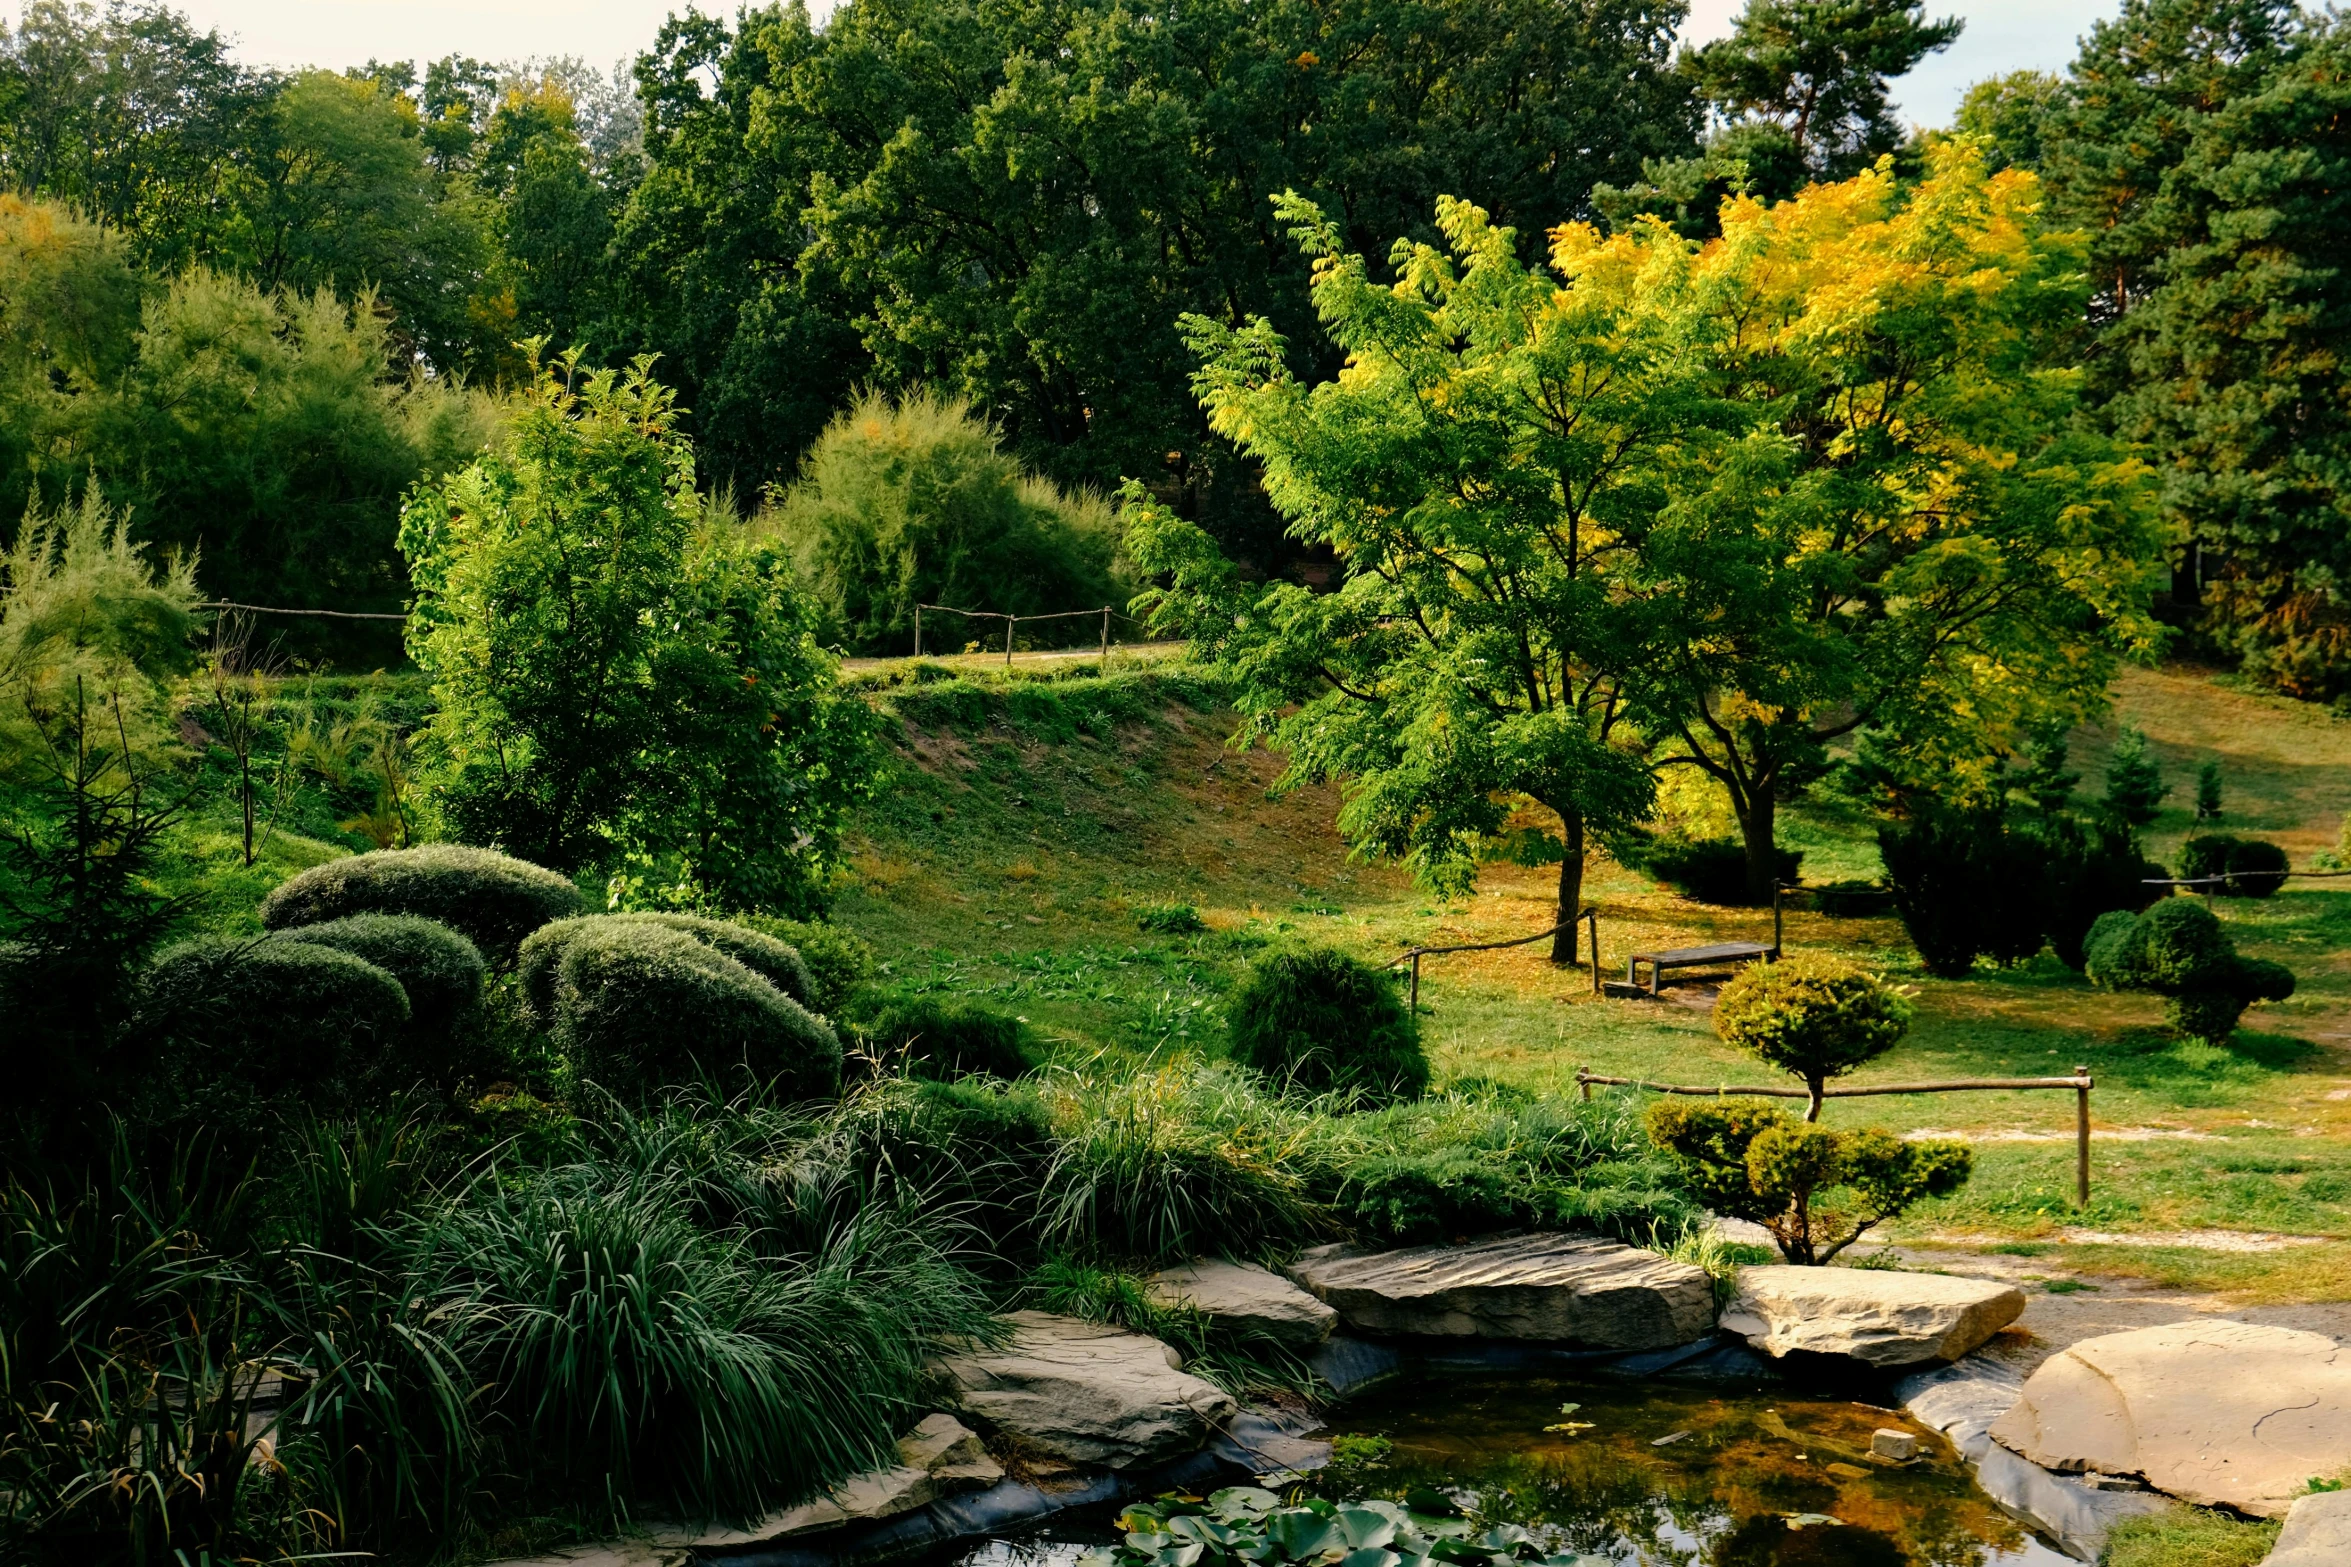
(1012, 622)
(2081, 1083)
(1590, 916)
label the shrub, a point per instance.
(241, 1022)
(2208, 791)
(1817, 1017)
(1817, 1189)
(2088, 870)
(1708, 871)
(2254, 867)
(1932, 864)
(837, 960)
(1169, 919)
(493, 899)
(636, 1006)
(539, 965)
(940, 1039)
(2178, 950)
(1317, 1019)
(772, 959)
(909, 502)
(442, 972)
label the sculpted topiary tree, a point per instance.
(1814, 1016)
(1816, 1189)
(2178, 950)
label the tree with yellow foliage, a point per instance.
(1668, 503)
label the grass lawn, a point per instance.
(1020, 828)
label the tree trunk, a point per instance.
(1757, 824)
(1818, 1085)
(1571, 887)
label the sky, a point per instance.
(2001, 36)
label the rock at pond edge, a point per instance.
(1567, 1289)
(1876, 1316)
(2221, 1414)
(1088, 1392)
(1244, 1298)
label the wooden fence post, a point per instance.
(1592, 921)
(918, 631)
(1584, 1083)
(1009, 622)
(1106, 639)
(2081, 1138)
(1416, 984)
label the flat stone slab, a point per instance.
(1241, 1297)
(1876, 1316)
(2222, 1414)
(2317, 1533)
(1088, 1392)
(1571, 1289)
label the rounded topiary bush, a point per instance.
(636, 1006)
(939, 1039)
(239, 1022)
(2253, 867)
(1320, 1020)
(2179, 950)
(837, 960)
(494, 899)
(772, 959)
(443, 976)
(1815, 1016)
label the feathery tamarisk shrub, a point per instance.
(493, 899)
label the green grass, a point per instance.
(1014, 845)
(2190, 1537)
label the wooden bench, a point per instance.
(1694, 957)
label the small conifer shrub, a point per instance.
(1318, 1020)
(1815, 1016)
(2178, 950)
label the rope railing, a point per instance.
(1590, 916)
(1012, 622)
(265, 609)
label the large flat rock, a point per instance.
(1240, 1297)
(1088, 1392)
(1568, 1289)
(940, 1457)
(1872, 1315)
(2222, 1414)
(2317, 1533)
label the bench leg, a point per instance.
(1656, 978)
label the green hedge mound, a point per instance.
(2253, 867)
(241, 1023)
(443, 976)
(493, 899)
(939, 1039)
(2178, 950)
(637, 1005)
(1318, 1020)
(837, 960)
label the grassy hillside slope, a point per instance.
(1023, 822)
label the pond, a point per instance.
(1648, 1474)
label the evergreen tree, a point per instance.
(2233, 369)
(1818, 70)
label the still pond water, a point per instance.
(1651, 1474)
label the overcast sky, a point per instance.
(2002, 35)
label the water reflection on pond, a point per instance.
(1754, 1479)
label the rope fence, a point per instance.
(1589, 916)
(1012, 622)
(327, 614)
